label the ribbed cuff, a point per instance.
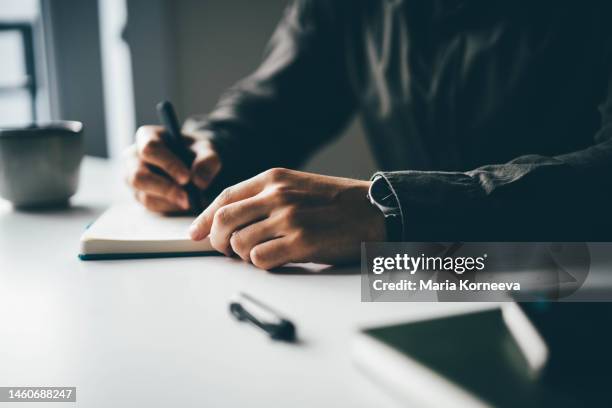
(435, 206)
(383, 195)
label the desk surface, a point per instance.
(149, 333)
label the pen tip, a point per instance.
(163, 105)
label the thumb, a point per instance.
(206, 164)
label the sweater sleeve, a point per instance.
(531, 198)
(298, 98)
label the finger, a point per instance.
(243, 240)
(143, 179)
(152, 150)
(206, 164)
(203, 223)
(272, 254)
(233, 217)
(155, 203)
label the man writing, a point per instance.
(490, 120)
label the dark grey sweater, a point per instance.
(491, 120)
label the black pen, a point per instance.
(173, 139)
(246, 308)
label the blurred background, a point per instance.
(108, 62)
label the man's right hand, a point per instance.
(162, 191)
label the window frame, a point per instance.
(26, 31)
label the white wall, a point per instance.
(117, 76)
(72, 42)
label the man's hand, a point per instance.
(162, 191)
(282, 216)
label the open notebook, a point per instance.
(130, 231)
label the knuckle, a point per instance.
(174, 169)
(148, 201)
(138, 178)
(300, 237)
(222, 216)
(219, 243)
(171, 191)
(237, 242)
(276, 173)
(226, 194)
(216, 244)
(208, 168)
(150, 148)
(281, 194)
(292, 216)
(204, 166)
(258, 258)
(238, 246)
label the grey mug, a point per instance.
(39, 165)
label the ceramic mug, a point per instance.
(39, 165)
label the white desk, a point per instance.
(157, 333)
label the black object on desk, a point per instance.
(474, 355)
(173, 138)
(578, 337)
(247, 308)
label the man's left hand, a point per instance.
(282, 216)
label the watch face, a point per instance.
(388, 200)
(381, 194)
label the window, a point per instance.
(18, 82)
(50, 66)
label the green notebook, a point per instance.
(464, 360)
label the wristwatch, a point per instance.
(382, 196)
